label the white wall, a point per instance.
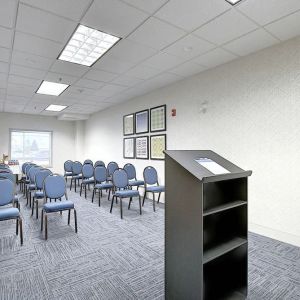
(63, 135)
(247, 111)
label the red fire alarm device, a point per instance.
(173, 112)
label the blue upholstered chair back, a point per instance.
(88, 161)
(87, 171)
(27, 169)
(99, 163)
(40, 177)
(100, 174)
(9, 176)
(120, 178)
(111, 168)
(5, 171)
(7, 191)
(54, 186)
(130, 170)
(76, 168)
(150, 175)
(32, 173)
(24, 166)
(68, 166)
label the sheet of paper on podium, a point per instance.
(211, 166)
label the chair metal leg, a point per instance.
(85, 191)
(69, 213)
(153, 201)
(121, 208)
(42, 220)
(71, 184)
(80, 189)
(75, 219)
(140, 204)
(37, 209)
(17, 227)
(46, 226)
(129, 202)
(108, 194)
(32, 206)
(75, 185)
(144, 198)
(93, 195)
(158, 197)
(100, 191)
(112, 203)
(21, 231)
(29, 198)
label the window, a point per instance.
(29, 145)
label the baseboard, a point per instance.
(275, 234)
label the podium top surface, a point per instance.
(207, 165)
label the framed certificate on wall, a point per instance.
(142, 121)
(141, 147)
(128, 148)
(128, 124)
(158, 120)
(158, 146)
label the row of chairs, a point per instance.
(113, 179)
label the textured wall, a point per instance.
(248, 111)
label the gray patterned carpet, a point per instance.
(111, 258)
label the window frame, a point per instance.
(34, 130)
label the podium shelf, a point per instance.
(223, 207)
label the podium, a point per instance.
(206, 227)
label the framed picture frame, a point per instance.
(158, 118)
(142, 121)
(128, 124)
(129, 148)
(141, 147)
(158, 143)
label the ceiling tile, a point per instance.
(251, 42)
(114, 17)
(142, 72)
(286, 28)
(31, 60)
(4, 67)
(214, 58)
(146, 5)
(225, 28)
(156, 34)
(27, 72)
(58, 77)
(6, 37)
(24, 81)
(191, 14)
(264, 12)
(4, 54)
(100, 75)
(8, 13)
(110, 90)
(36, 45)
(163, 61)
(132, 52)
(75, 91)
(87, 83)
(127, 81)
(44, 24)
(68, 68)
(3, 80)
(188, 69)
(14, 108)
(17, 99)
(189, 47)
(39, 98)
(20, 90)
(62, 8)
(111, 64)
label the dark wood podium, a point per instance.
(206, 227)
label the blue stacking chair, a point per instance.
(55, 188)
(99, 163)
(12, 178)
(27, 181)
(130, 170)
(101, 183)
(76, 174)
(31, 186)
(9, 213)
(121, 190)
(87, 177)
(88, 161)
(68, 169)
(151, 184)
(111, 168)
(23, 178)
(38, 194)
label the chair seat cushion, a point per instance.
(127, 193)
(136, 182)
(68, 173)
(77, 177)
(38, 194)
(104, 185)
(9, 213)
(27, 181)
(155, 189)
(58, 206)
(31, 186)
(89, 180)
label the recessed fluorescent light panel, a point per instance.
(87, 45)
(54, 107)
(51, 88)
(233, 2)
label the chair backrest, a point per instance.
(100, 174)
(68, 166)
(6, 171)
(27, 169)
(99, 163)
(120, 178)
(111, 168)
(3, 166)
(87, 171)
(55, 186)
(7, 191)
(88, 161)
(32, 173)
(150, 175)
(40, 177)
(9, 176)
(130, 169)
(76, 167)
(24, 166)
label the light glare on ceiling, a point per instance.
(233, 2)
(51, 88)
